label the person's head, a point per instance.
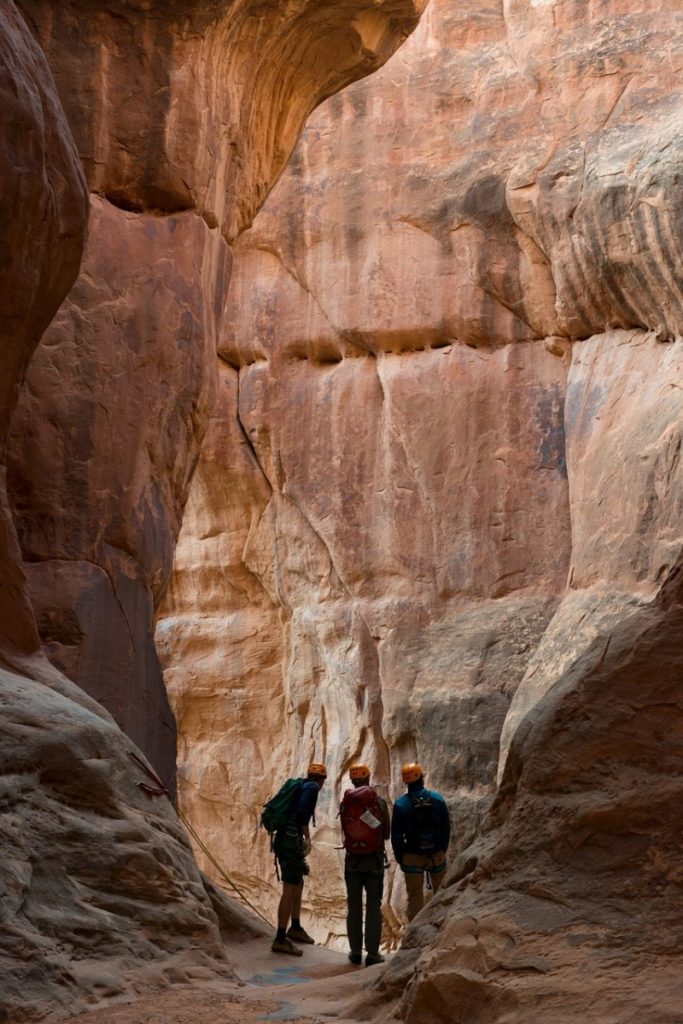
(317, 772)
(412, 772)
(359, 774)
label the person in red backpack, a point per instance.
(365, 828)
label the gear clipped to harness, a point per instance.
(361, 821)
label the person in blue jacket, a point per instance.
(420, 833)
(292, 845)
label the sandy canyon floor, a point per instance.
(268, 987)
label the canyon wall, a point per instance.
(439, 506)
(182, 115)
(43, 220)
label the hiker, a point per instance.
(292, 844)
(420, 832)
(365, 826)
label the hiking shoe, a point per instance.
(287, 946)
(300, 935)
(356, 958)
(373, 958)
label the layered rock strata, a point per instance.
(184, 115)
(101, 896)
(458, 382)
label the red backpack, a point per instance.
(361, 821)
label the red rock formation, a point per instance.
(101, 895)
(100, 892)
(427, 277)
(196, 104)
(184, 115)
(127, 373)
(401, 532)
(42, 229)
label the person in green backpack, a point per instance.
(287, 817)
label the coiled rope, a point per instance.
(160, 790)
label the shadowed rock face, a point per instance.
(102, 449)
(453, 393)
(101, 894)
(184, 115)
(196, 104)
(42, 228)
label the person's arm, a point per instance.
(384, 816)
(397, 839)
(444, 836)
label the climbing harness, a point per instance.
(158, 789)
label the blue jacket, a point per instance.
(402, 837)
(305, 807)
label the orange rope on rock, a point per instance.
(219, 867)
(160, 790)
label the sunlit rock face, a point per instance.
(441, 506)
(184, 114)
(378, 530)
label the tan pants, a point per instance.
(414, 867)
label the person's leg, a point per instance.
(437, 870)
(413, 868)
(284, 910)
(296, 901)
(374, 888)
(297, 930)
(292, 883)
(415, 890)
(354, 913)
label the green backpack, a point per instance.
(279, 810)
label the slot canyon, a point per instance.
(341, 414)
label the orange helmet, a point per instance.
(412, 772)
(359, 771)
(316, 768)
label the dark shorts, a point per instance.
(289, 851)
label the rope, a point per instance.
(219, 867)
(160, 790)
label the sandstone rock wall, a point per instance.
(184, 115)
(400, 511)
(85, 858)
(42, 228)
(567, 904)
(100, 895)
(458, 381)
